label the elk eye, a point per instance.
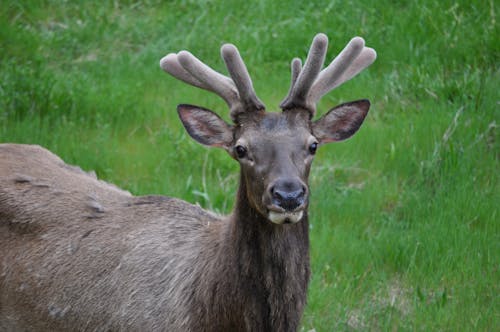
(241, 151)
(313, 147)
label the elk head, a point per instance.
(275, 149)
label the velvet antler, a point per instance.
(311, 83)
(236, 91)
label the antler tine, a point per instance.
(189, 69)
(236, 91)
(364, 59)
(353, 59)
(296, 68)
(239, 73)
(311, 85)
(171, 65)
(211, 80)
(314, 62)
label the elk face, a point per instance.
(275, 151)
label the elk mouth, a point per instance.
(281, 216)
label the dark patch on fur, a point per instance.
(87, 233)
(23, 179)
(21, 228)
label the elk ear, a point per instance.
(205, 126)
(341, 122)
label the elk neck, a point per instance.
(269, 262)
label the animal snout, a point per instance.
(287, 194)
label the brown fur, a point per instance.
(81, 254)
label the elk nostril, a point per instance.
(278, 194)
(296, 194)
(288, 200)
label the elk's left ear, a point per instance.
(341, 122)
(205, 126)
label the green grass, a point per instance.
(404, 216)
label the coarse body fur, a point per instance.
(81, 254)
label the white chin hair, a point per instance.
(282, 217)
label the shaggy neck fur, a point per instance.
(262, 273)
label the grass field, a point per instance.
(404, 216)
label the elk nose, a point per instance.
(288, 195)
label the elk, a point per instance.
(79, 254)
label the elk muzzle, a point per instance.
(288, 201)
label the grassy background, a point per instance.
(404, 216)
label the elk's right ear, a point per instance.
(205, 126)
